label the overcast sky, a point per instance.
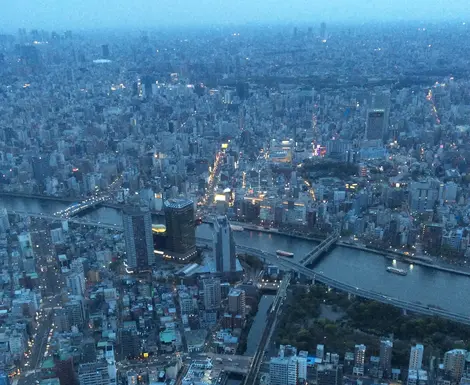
(84, 14)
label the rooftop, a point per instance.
(178, 203)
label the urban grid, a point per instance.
(282, 205)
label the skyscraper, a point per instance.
(386, 347)
(212, 293)
(416, 357)
(359, 357)
(180, 229)
(224, 246)
(236, 302)
(375, 125)
(138, 236)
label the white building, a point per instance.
(416, 357)
(212, 293)
(283, 371)
(454, 363)
(359, 357)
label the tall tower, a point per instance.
(224, 246)
(375, 125)
(416, 357)
(138, 236)
(385, 363)
(180, 229)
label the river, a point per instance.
(362, 269)
(258, 325)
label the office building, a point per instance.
(212, 293)
(236, 302)
(375, 125)
(385, 363)
(138, 236)
(129, 341)
(454, 364)
(283, 371)
(180, 229)
(105, 51)
(75, 310)
(94, 373)
(224, 246)
(41, 168)
(416, 357)
(320, 352)
(329, 374)
(359, 357)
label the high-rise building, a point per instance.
(212, 293)
(75, 311)
(454, 363)
(283, 371)
(359, 357)
(75, 283)
(138, 236)
(423, 195)
(323, 31)
(41, 168)
(385, 364)
(129, 341)
(224, 246)
(236, 302)
(416, 357)
(105, 51)
(180, 229)
(94, 373)
(375, 125)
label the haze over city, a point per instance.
(127, 14)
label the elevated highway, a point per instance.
(289, 265)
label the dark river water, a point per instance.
(358, 268)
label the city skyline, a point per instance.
(82, 15)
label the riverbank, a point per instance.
(387, 254)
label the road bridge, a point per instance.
(319, 251)
(290, 265)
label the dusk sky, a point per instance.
(83, 14)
